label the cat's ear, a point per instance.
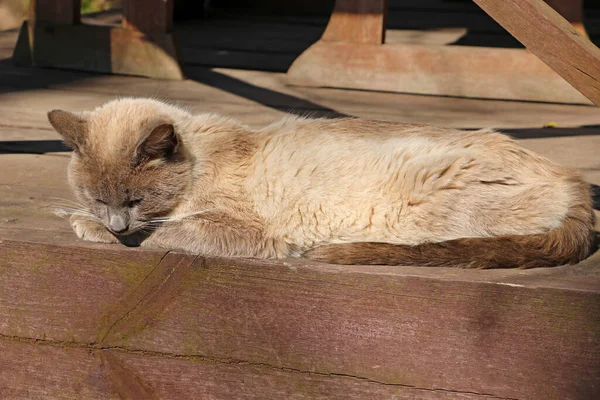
(73, 128)
(161, 143)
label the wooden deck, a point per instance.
(82, 320)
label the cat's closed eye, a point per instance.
(133, 203)
(100, 201)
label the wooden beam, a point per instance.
(357, 21)
(480, 72)
(572, 11)
(148, 15)
(552, 39)
(510, 334)
(49, 370)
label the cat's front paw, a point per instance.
(92, 231)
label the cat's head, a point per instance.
(128, 164)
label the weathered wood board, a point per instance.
(46, 369)
(382, 328)
(461, 71)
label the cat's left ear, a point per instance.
(72, 127)
(161, 143)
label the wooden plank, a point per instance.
(384, 326)
(115, 50)
(46, 369)
(149, 16)
(434, 70)
(437, 330)
(30, 371)
(256, 98)
(357, 21)
(200, 379)
(61, 293)
(569, 54)
(66, 12)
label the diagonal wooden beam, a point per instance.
(552, 39)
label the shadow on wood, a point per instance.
(596, 194)
(266, 97)
(32, 146)
(114, 50)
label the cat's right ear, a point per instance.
(73, 128)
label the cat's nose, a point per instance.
(117, 224)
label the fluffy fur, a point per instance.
(340, 191)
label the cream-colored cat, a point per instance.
(340, 191)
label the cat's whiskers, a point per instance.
(67, 202)
(65, 211)
(66, 206)
(174, 218)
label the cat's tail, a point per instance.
(569, 243)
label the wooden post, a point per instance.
(66, 12)
(144, 46)
(148, 15)
(357, 21)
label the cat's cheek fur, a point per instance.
(91, 231)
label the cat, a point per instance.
(346, 191)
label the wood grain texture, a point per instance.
(197, 378)
(434, 70)
(552, 39)
(395, 329)
(114, 50)
(43, 369)
(56, 293)
(30, 371)
(302, 325)
(357, 21)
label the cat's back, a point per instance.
(360, 144)
(343, 161)
(403, 183)
(346, 146)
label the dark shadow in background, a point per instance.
(32, 147)
(537, 133)
(596, 196)
(266, 97)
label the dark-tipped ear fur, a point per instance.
(162, 142)
(73, 128)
